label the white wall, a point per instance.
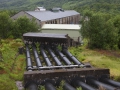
(72, 33)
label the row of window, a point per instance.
(66, 20)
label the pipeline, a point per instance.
(31, 86)
(80, 82)
(49, 86)
(70, 56)
(27, 50)
(38, 62)
(28, 58)
(67, 86)
(105, 79)
(55, 67)
(92, 81)
(61, 72)
(63, 57)
(111, 82)
(47, 60)
(57, 61)
(83, 85)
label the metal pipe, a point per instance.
(38, 61)
(29, 64)
(47, 60)
(83, 85)
(27, 50)
(57, 61)
(49, 86)
(28, 59)
(28, 53)
(111, 82)
(32, 86)
(63, 57)
(67, 86)
(71, 57)
(99, 84)
(54, 67)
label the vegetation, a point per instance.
(15, 28)
(5, 23)
(102, 31)
(102, 24)
(99, 58)
(111, 6)
(23, 25)
(12, 65)
(29, 4)
(100, 28)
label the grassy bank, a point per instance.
(12, 65)
(100, 59)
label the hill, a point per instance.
(80, 5)
(30, 4)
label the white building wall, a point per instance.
(74, 34)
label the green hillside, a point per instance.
(95, 5)
(30, 4)
(107, 6)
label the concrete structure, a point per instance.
(54, 16)
(73, 31)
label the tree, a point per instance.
(23, 25)
(111, 36)
(5, 24)
(100, 32)
(116, 22)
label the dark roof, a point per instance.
(49, 15)
(46, 37)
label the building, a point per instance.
(40, 9)
(53, 16)
(72, 30)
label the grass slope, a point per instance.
(12, 65)
(99, 59)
